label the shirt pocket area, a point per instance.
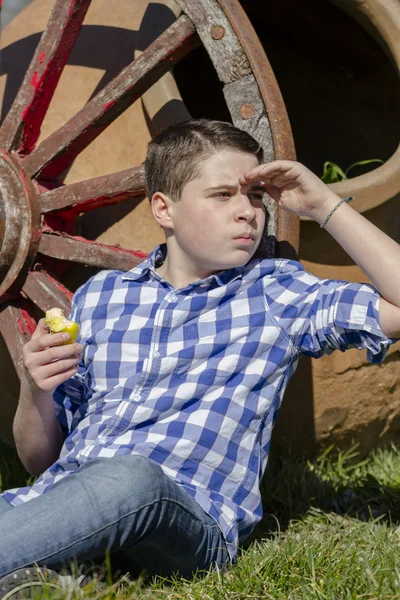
(208, 359)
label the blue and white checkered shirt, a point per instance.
(193, 378)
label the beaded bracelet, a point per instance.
(335, 208)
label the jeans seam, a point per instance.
(111, 524)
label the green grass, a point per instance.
(330, 531)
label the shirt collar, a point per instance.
(156, 258)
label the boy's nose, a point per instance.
(246, 210)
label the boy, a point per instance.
(164, 411)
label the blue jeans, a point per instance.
(124, 504)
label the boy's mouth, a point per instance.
(245, 236)
(246, 240)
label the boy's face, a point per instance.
(217, 223)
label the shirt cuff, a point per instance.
(358, 310)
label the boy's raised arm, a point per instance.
(297, 190)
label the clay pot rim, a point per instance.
(381, 184)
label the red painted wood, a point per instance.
(20, 216)
(21, 127)
(92, 193)
(46, 292)
(80, 250)
(57, 152)
(16, 326)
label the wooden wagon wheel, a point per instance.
(36, 212)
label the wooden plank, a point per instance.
(57, 152)
(265, 77)
(82, 251)
(288, 225)
(46, 292)
(229, 58)
(248, 113)
(219, 39)
(21, 127)
(16, 327)
(92, 193)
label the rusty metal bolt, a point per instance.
(247, 111)
(217, 32)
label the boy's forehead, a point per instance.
(226, 167)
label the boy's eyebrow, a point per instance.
(223, 186)
(230, 186)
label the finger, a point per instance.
(56, 368)
(50, 355)
(268, 171)
(48, 340)
(52, 382)
(266, 175)
(273, 192)
(280, 180)
(41, 329)
(36, 360)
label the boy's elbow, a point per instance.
(28, 462)
(32, 469)
(389, 318)
(35, 465)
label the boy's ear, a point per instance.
(161, 207)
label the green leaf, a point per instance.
(332, 173)
(363, 162)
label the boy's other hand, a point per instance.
(47, 364)
(294, 188)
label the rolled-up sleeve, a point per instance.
(323, 315)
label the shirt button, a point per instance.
(155, 354)
(136, 396)
(173, 298)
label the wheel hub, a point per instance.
(19, 223)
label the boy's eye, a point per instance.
(253, 196)
(223, 195)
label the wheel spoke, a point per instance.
(93, 193)
(46, 292)
(83, 251)
(266, 80)
(21, 128)
(57, 152)
(17, 325)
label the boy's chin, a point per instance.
(238, 259)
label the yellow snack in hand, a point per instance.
(57, 323)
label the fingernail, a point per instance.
(66, 336)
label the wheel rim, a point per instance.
(40, 212)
